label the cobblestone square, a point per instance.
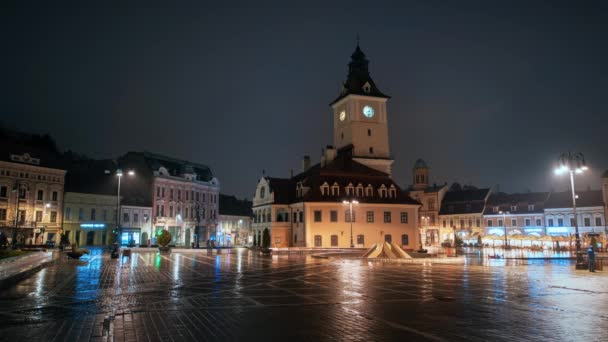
(243, 296)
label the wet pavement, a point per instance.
(240, 296)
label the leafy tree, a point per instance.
(266, 238)
(163, 238)
(458, 241)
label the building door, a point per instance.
(334, 240)
(144, 239)
(318, 241)
(78, 237)
(90, 238)
(188, 237)
(388, 238)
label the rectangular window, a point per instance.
(93, 214)
(550, 223)
(2, 214)
(22, 193)
(3, 191)
(333, 216)
(560, 222)
(461, 224)
(295, 217)
(68, 212)
(21, 216)
(360, 239)
(387, 217)
(598, 221)
(538, 222)
(528, 222)
(444, 223)
(489, 223)
(514, 222)
(318, 241)
(105, 215)
(157, 210)
(179, 195)
(170, 211)
(301, 216)
(572, 222)
(334, 240)
(186, 211)
(404, 217)
(38, 215)
(470, 223)
(349, 216)
(80, 214)
(53, 216)
(40, 195)
(136, 218)
(451, 223)
(317, 215)
(197, 196)
(530, 207)
(163, 193)
(500, 223)
(54, 196)
(370, 217)
(171, 194)
(125, 217)
(478, 223)
(587, 222)
(187, 194)
(158, 191)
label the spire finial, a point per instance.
(358, 39)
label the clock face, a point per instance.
(342, 115)
(368, 111)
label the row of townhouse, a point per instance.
(471, 213)
(44, 193)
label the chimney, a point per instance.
(330, 154)
(305, 163)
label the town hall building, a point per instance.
(313, 208)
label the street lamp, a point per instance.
(573, 163)
(119, 174)
(504, 223)
(352, 217)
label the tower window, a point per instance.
(369, 132)
(342, 136)
(371, 150)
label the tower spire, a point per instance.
(358, 39)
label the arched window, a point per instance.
(405, 240)
(359, 190)
(262, 192)
(382, 191)
(392, 193)
(369, 191)
(350, 190)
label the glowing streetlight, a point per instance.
(352, 218)
(573, 163)
(119, 174)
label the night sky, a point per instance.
(485, 94)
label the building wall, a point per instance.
(137, 219)
(429, 222)
(450, 222)
(372, 232)
(89, 215)
(170, 212)
(234, 230)
(32, 179)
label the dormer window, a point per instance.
(359, 190)
(325, 189)
(513, 208)
(369, 191)
(392, 192)
(350, 190)
(263, 192)
(367, 87)
(335, 189)
(496, 209)
(530, 207)
(382, 191)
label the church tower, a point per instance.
(421, 175)
(360, 117)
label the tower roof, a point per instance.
(420, 164)
(359, 81)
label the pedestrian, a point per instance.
(591, 257)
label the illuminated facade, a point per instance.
(31, 195)
(235, 221)
(89, 218)
(309, 209)
(461, 213)
(135, 225)
(430, 196)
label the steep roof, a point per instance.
(588, 198)
(177, 167)
(40, 151)
(469, 201)
(343, 170)
(358, 77)
(520, 200)
(420, 164)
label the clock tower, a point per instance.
(360, 117)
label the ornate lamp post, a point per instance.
(573, 163)
(352, 218)
(504, 224)
(119, 174)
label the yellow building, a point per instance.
(313, 208)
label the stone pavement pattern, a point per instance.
(235, 297)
